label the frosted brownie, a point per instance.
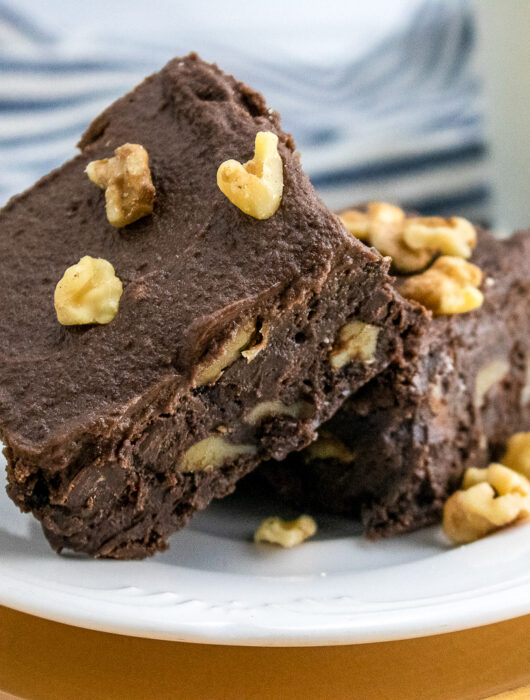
(192, 337)
(400, 445)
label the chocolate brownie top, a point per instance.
(190, 271)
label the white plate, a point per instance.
(215, 586)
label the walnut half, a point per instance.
(126, 179)
(454, 236)
(449, 286)
(411, 242)
(286, 533)
(490, 499)
(256, 186)
(88, 292)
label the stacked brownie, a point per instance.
(215, 352)
(398, 448)
(178, 307)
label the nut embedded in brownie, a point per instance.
(217, 354)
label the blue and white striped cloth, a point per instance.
(383, 98)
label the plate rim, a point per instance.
(460, 613)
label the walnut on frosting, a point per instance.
(255, 187)
(454, 236)
(411, 242)
(88, 292)
(126, 179)
(449, 286)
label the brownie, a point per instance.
(103, 425)
(400, 445)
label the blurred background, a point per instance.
(384, 99)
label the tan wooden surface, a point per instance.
(46, 660)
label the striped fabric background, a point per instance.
(383, 100)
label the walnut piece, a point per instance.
(386, 234)
(230, 352)
(517, 455)
(126, 179)
(411, 242)
(258, 344)
(264, 409)
(454, 236)
(256, 186)
(286, 533)
(357, 341)
(212, 452)
(328, 446)
(382, 227)
(487, 377)
(490, 499)
(88, 292)
(449, 286)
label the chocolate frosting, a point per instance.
(190, 270)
